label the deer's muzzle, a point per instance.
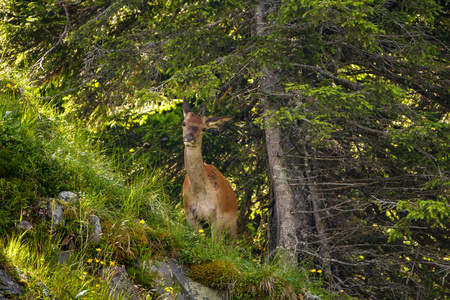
(189, 138)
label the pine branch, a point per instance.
(345, 83)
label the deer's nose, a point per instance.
(189, 138)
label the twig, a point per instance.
(40, 61)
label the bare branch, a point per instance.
(345, 83)
(40, 61)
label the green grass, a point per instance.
(43, 278)
(139, 220)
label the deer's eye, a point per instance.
(184, 123)
(204, 129)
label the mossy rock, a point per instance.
(216, 274)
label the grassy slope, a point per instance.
(41, 155)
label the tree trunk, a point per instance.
(283, 196)
(282, 192)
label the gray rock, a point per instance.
(8, 287)
(165, 277)
(174, 273)
(191, 289)
(25, 225)
(62, 257)
(55, 213)
(68, 197)
(45, 290)
(95, 229)
(120, 286)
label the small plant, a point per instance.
(145, 278)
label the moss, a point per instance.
(216, 274)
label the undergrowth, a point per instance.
(42, 155)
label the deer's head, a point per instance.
(195, 126)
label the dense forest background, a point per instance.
(339, 145)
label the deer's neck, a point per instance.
(195, 169)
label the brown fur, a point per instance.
(207, 194)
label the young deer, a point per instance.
(207, 195)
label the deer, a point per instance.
(208, 196)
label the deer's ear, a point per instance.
(217, 122)
(186, 107)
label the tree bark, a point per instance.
(282, 192)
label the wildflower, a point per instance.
(8, 85)
(319, 271)
(89, 260)
(342, 291)
(200, 231)
(111, 263)
(102, 262)
(169, 289)
(98, 250)
(313, 271)
(142, 221)
(97, 285)
(81, 277)
(131, 150)
(42, 259)
(84, 273)
(97, 260)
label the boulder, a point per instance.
(55, 213)
(68, 197)
(95, 229)
(25, 225)
(120, 286)
(8, 287)
(173, 273)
